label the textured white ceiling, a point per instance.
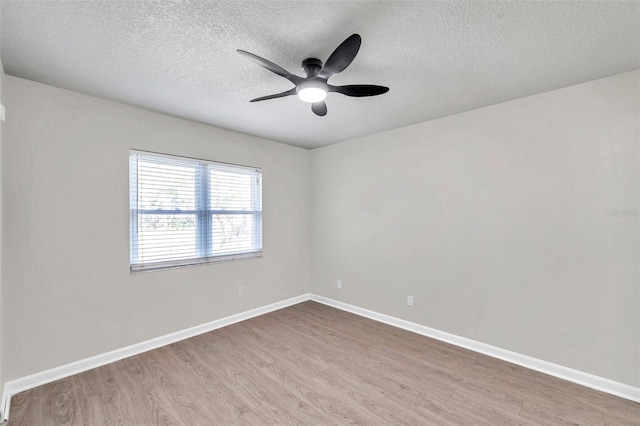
(438, 58)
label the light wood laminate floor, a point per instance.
(311, 364)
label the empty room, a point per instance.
(319, 212)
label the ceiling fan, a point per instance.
(314, 87)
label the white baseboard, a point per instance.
(586, 379)
(22, 384)
(13, 387)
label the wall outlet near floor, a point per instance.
(410, 300)
(339, 285)
(240, 291)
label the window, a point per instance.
(189, 212)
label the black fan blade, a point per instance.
(359, 90)
(271, 66)
(342, 57)
(319, 108)
(277, 95)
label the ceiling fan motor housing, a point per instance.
(312, 66)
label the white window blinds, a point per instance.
(188, 212)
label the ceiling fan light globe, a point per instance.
(312, 94)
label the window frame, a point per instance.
(203, 212)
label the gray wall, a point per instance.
(494, 220)
(67, 289)
(1, 240)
